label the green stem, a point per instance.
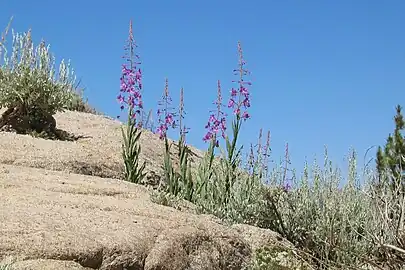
(232, 159)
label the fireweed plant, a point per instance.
(216, 121)
(130, 96)
(239, 102)
(215, 183)
(165, 113)
(205, 186)
(179, 180)
(183, 154)
(166, 120)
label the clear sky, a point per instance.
(323, 72)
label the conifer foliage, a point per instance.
(391, 160)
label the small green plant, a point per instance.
(131, 85)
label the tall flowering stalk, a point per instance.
(254, 159)
(149, 121)
(216, 123)
(286, 182)
(185, 176)
(266, 155)
(183, 129)
(258, 162)
(165, 113)
(166, 120)
(239, 102)
(130, 97)
(217, 120)
(131, 81)
(257, 168)
(218, 190)
(179, 181)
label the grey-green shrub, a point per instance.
(335, 219)
(28, 77)
(79, 103)
(327, 220)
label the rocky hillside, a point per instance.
(97, 152)
(63, 205)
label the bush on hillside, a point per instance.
(30, 88)
(80, 104)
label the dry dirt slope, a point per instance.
(54, 217)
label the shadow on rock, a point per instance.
(35, 122)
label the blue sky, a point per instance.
(323, 72)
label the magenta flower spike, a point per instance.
(239, 100)
(165, 114)
(131, 81)
(217, 120)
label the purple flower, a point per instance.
(231, 103)
(120, 99)
(216, 121)
(233, 92)
(287, 187)
(246, 103)
(237, 102)
(161, 130)
(168, 119)
(245, 115)
(207, 136)
(131, 82)
(243, 90)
